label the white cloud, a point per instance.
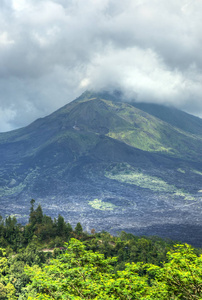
(143, 75)
(50, 51)
(6, 116)
(4, 39)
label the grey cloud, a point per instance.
(51, 51)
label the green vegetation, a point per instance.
(101, 205)
(132, 176)
(48, 259)
(181, 171)
(197, 172)
(81, 274)
(127, 174)
(173, 116)
(144, 131)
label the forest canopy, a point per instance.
(49, 259)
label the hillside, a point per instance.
(109, 164)
(173, 116)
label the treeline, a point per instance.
(80, 274)
(51, 233)
(46, 229)
(48, 259)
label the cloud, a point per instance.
(51, 51)
(145, 77)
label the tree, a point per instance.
(76, 274)
(31, 210)
(60, 225)
(36, 216)
(182, 274)
(81, 274)
(10, 292)
(78, 229)
(2, 291)
(39, 214)
(68, 231)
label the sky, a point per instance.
(53, 50)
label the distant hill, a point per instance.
(108, 164)
(173, 116)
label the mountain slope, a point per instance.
(101, 161)
(173, 116)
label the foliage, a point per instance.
(182, 275)
(41, 226)
(93, 266)
(82, 274)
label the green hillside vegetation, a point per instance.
(128, 174)
(99, 204)
(173, 116)
(48, 259)
(150, 134)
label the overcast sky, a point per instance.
(52, 51)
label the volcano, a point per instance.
(110, 164)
